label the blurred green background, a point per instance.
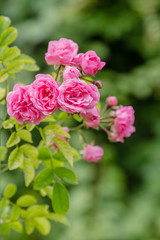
(118, 198)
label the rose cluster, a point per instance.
(73, 93)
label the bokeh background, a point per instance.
(118, 198)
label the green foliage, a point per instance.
(10, 191)
(66, 175)
(44, 178)
(60, 199)
(15, 159)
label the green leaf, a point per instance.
(11, 53)
(60, 201)
(29, 63)
(29, 226)
(58, 130)
(19, 126)
(15, 159)
(10, 191)
(15, 66)
(65, 148)
(7, 124)
(13, 140)
(5, 230)
(3, 75)
(77, 117)
(4, 23)
(59, 156)
(29, 171)
(25, 135)
(44, 153)
(4, 202)
(66, 175)
(30, 127)
(3, 153)
(36, 211)
(49, 118)
(2, 93)
(8, 36)
(26, 200)
(17, 226)
(16, 212)
(44, 178)
(43, 225)
(58, 218)
(30, 151)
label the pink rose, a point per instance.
(76, 96)
(123, 124)
(67, 130)
(93, 153)
(90, 63)
(62, 52)
(20, 106)
(44, 93)
(112, 101)
(71, 73)
(91, 116)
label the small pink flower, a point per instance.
(71, 73)
(62, 52)
(91, 116)
(123, 124)
(67, 130)
(93, 153)
(112, 101)
(76, 96)
(90, 63)
(20, 106)
(44, 93)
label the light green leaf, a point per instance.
(11, 53)
(77, 117)
(5, 230)
(17, 226)
(36, 211)
(15, 159)
(15, 66)
(4, 23)
(60, 201)
(3, 75)
(44, 178)
(29, 226)
(29, 63)
(7, 124)
(19, 126)
(30, 151)
(29, 171)
(8, 36)
(58, 218)
(26, 200)
(30, 127)
(3, 153)
(58, 130)
(2, 93)
(30, 67)
(16, 212)
(44, 153)
(4, 202)
(10, 190)
(49, 118)
(43, 225)
(25, 135)
(66, 175)
(47, 191)
(65, 148)
(13, 140)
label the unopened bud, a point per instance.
(112, 101)
(99, 84)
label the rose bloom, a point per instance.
(67, 130)
(93, 153)
(76, 96)
(112, 101)
(44, 93)
(123, 124)
(71, 73)
(90, 63)
(20, 106)
(91, 116)
(62, 52)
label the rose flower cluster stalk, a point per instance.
(74, 93)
